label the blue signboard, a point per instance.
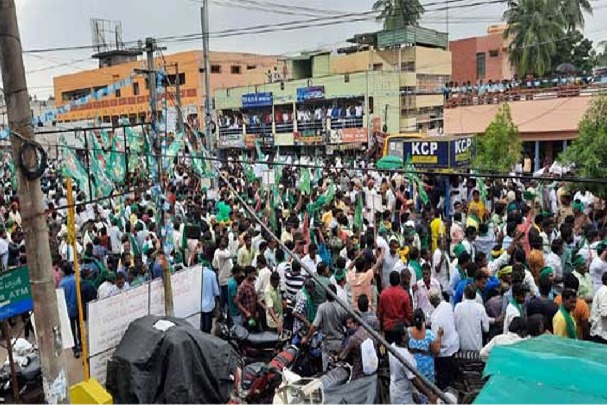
(461, 152)
(430, 154)
(15, 293)
(310, 93)
(252, 100)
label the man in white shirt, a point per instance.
(517, 331)
(312, 259)
(426, 287)
(442, 319)
(515, 307)
(598, 313)
(440, 265)
(471, 321)
(222, 263)
(598, 267)
(553, 259)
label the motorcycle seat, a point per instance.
(265, 339)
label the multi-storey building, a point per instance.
(387, 82)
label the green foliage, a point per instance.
(500, 147)
(599, 57)
(588, 152)
(397, 14)
(573, 48)
(544, 35)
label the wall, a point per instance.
(434, 61)
(464, 60)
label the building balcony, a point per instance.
(474, 98)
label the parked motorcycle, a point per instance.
(29, 375)
(252, 346)
(256, 383)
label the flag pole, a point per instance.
(71, 235)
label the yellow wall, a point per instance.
(429, 100)
(253, 68)
(432, 61)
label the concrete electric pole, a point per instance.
(48, 327)
(204, 19)
(150, 48)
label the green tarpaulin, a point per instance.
(545, 370)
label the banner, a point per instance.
(433, 154)
(461, 152)
(72, 167)
(253, 100)
(310, 93)
(231, 141)
(348, 135)
(116, 169)
(308, 138)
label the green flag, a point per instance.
(173, 150)
(97, 151)
(260, 154)
(135, 142)
(358, 213)
(103, 185)
(415, 180)
(246, 167)
(330, 194)
(151, 162)
(277, 168)
(116, 169)
(73, 168)
(305, 180)
(105, 139)
(482, 188)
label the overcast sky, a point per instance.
(58, 23)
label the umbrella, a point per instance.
(566, 68)
(390, 162)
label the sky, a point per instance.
(60, 23)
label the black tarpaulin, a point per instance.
(179, 364)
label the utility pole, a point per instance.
(204, 18)
(178, 99)
(150, 48)
(48, 326)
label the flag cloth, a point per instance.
(116, 169)
(135, 141)
(416, 181)
(246, 167)
(173, 151)
(97, 151)
(277, 168)
(134, 245)
(151, 163)
(482, 188)
(105, 139)
(305, 181)
(330, 194)
(72, 167)
(103, 185)
(260, 154)
(358, 213)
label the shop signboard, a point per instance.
(230, 141)
(348, 135)
(461, 151)
(308, 138)
(15, 293)
(310, 93)
(426, 153)
(253, 100)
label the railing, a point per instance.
(315, 125)
(284, 128)
(346, 122)
(523, 94)
(230, 131)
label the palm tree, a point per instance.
(533, 30)
(398, 13)
(573, 12)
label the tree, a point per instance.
(573, 13)
(599, 58)
(534, 27)
(398, 13)
(572, 47)
(588, 152)
(500, 148)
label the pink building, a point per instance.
(481, 58)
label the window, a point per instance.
(370, 105)
(431, 84)
(494, 53)
(251, 67)
(407, 66)
(215, 68)
(378, 67)
(235, 69)
(480, 65)
(117, 93)
(347, 78)
(172, 79)
(75, 94)
(136, 88)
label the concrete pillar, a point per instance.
(536, 160)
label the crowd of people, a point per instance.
(435, 278)
(496, 91)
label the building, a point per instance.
(387, 82)
(227, 69)
(481, 58)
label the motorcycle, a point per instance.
(251, 346)
(29, 375)
(256, 383)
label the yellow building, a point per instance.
(228, 69)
